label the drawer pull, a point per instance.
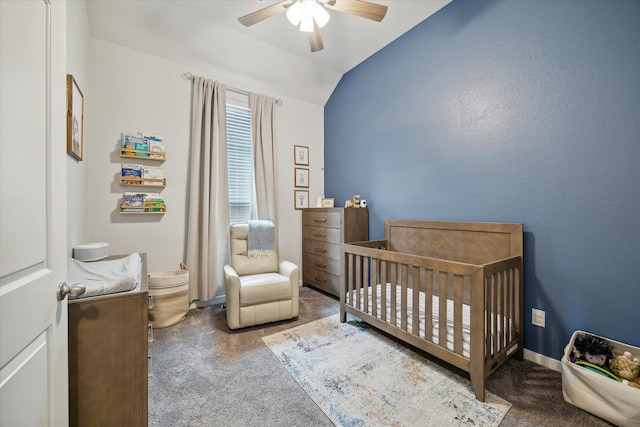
(320, 264)
(319, 219)
(320, 278)
(322, 236)
(321, 250)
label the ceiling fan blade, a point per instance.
(361, 8)
(264, 13)
(315, 40)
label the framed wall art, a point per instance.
(302, 177)
(301, 155)
(75, 118)
(301, 199)
(328, 202)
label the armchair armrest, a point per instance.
(288, 268)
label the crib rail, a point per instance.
(492, 292)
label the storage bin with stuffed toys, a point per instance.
(606, 383)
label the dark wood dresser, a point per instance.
(108, 365)
(323, 230)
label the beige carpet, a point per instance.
(205, 375)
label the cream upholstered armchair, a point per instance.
(258, 290)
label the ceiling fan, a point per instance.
(311, 15)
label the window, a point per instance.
(239, 157)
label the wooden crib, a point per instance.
(465, 275)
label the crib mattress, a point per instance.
(435, 303)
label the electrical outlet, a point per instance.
(537, 317)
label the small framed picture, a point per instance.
(302, 177)
(301, 155)
(75, 118)
(301, 199)
(328, 203)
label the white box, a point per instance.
(607, 398)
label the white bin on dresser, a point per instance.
(169, 291)
(602, 396)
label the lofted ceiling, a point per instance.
(272, 55)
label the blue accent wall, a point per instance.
(511, 111)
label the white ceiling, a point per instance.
(272, 54)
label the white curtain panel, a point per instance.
(208, 215)
(265, 155)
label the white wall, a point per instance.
(78, 66)
(133, 91)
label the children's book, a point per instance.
(152, 172)
(130, 170)
(155, 145)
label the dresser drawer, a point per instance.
(322, 219)
(315, 247)
(320, 279)
(328, 265)
(330, 235)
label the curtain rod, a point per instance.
(189, 76)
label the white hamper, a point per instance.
(607, 398)
(169, 292)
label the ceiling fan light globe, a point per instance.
(294, 14)
(306, 24)
(308, 7)
(321, 16)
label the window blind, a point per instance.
(239, 157)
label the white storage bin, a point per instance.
(169, 292)
(602, 396)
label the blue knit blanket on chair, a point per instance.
(260, 239)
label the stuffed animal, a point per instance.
(592, 349)
(353, 203)
(627, 368)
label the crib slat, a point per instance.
(503, 311)
(403, 295)
(494, 314)
(429, 282)
(457, 314)
(487, 315)
(365, 283)
(383, 282)
(374, 287)
(415, 285)
(442, 310)
(393, 279)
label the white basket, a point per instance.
(607, 398)
(169, 292)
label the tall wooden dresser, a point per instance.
(323, 230)
(108, 366)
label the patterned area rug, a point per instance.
(358, 377)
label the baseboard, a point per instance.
(543, 360)
(208, 303)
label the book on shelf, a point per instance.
(155, 203)
(142, 202)
(131, 141)
(155, 145)
(152, 172)
(132, 200)
(130, 171)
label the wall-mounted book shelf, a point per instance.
(142, 209)
(136, 181)
(128, 153)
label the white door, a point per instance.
(33, 323)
